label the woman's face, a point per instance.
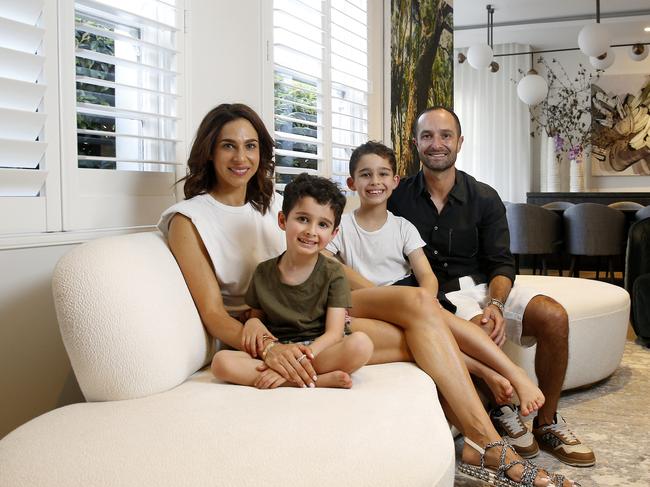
(236, 155)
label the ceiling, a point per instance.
(548, 24)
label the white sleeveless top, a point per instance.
(237, 238)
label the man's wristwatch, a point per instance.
(496, 303)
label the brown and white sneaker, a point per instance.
(561, 442)
(508, 423)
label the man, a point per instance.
(464, 225)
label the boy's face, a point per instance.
(373, 179)
(309, 226)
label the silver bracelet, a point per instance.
(496, 303)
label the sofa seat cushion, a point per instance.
(598, 320)
(387, 430)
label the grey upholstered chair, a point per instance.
(643, 213)
(637, 276)
(594, 230)
(533, 231)
(558, 205)
(626, 205)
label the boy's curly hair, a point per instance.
(324, 191)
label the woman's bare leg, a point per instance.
(435, 350)
(475, 343)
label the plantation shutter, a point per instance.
(320, 55)
(28, 117)
(127, 125)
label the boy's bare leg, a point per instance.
(436, 352)
(335, 364)
(475, 343)
(500, 387)
(235, 367)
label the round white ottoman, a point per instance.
(598, 319)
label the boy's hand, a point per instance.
(254, 337)
(269, 379)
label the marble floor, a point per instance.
(613, 417)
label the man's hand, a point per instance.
(493, 324)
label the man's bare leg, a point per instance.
(547, 321)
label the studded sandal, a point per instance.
(498, 476)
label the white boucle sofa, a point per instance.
(155, 417)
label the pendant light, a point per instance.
(532, 88)
(481, 56)
(594, 39)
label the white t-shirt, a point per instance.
(237, 238)
(379, 256)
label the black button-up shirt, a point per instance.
(468, 238)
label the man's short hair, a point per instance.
(433, 109)
(324, 191)
(372, 147)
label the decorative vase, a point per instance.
(543, 156)
(553, 167)
(576, 175)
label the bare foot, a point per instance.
(530, 396)
(473, 457)
(338, 378)
(500, 386)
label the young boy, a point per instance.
(300, 297)
(383, 249)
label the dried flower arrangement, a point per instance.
(565, 113)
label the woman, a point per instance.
(227, 225)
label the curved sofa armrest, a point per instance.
(127, 319)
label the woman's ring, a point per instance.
(300, 359)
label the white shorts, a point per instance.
(472, 298)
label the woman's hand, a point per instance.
(254, 337)
(293, 362)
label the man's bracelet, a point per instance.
(496, 303)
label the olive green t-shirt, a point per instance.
(297, 313)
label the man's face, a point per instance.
(437, 140)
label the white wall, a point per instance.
(622, 65)
(35, 374)
(224, 63)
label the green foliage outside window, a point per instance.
(296, 99)
(95, 145)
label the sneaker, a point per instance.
(509, 425)
(562, 443)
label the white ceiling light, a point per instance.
(480, 56)
(594, 39)
(532, 88)
(603, 61)
(638, 52)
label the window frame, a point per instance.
(378, 128)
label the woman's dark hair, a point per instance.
(201, 177)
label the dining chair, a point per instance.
(642, 213)
(592, 229)
(534, 231)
